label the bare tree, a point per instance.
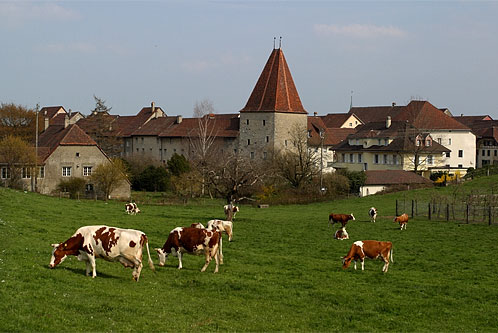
(299, 164)
(17, 120)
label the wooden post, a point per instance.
(467, 216)
(413, 208)
(447, 212)
(429, 210)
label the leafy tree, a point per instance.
(16, 154)
(18, 120)
(152, 179)
(178, 164)
(108, 176)
(187, 185)
(74, 186)
(356, 179)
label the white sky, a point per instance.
(178, 52)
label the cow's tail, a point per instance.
(391, 254)
(151, 263)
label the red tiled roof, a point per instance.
(335, 120)
(55, 136)
(420, 114)
(50, 111)
(219, 126)
(393, 177)
(275, 90)
(332, 136)
(469, 120)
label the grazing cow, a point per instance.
(373, 214)
(132, 208)
(230, 211)
(369, 248)
(193, 241)
(342, 218)
(402, 220)
(341, 234)
(221, 226)
(111, 244)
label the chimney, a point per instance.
(66, 120)
(394, 104)
(47, 122)
(388, 122)
(315, 114)
(179, 119)
(152, 106)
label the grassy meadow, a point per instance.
(282, 271)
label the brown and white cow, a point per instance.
(191, 240)
(373, 214)
(341, 234)
(371, 249)
(402, 220)
(111, 244)
(220, 225)
(341, 218)
(132, 208)
(230, 211)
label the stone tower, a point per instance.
(272, 111)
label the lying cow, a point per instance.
(111, 244)
(369, 248)
(191, 240)
(373, 214)
(132, 208)
(402, 220)
(230, 211)
(342, 218)
(341, 234)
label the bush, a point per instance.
(178, 164)
(356, 179)
(336, 184)
(74, 186)
(152, 179)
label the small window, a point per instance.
(248, 142)
(418, 142)
(448, 154)
(379, 141)
(26, 173)
(495, 152)
(460, 153)
(285, 143)
(350, 124)
(252, 155)
(247, 121)
(41, 172)
(483, 152)
(142, 140)
(235, 151)
(395, 159)
(351, 158)
(385, 159)
(489, 152)
(427, 143)
(460, 166)
(267, 139)
(265, 155)
(66, 171)
(376, 159)
(430, 160)
(343, 157)
(87, 171)
(77, 154)
(439, 140)
(5, 173)
(449, 141)
(264, 122)
(359, 158)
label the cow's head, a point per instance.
(352, 217)
(228, 226)
(59, 254)
(346, 261)
(162, 255)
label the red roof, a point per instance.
(226, 125)
(55, 136)
(50, 111)
(335, 120)
(275, 90)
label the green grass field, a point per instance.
(282, 272)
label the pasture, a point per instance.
(282, 271)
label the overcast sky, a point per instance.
(178, 52)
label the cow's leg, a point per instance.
(136, 271)
(91, 261)
(207, 253)
(217, 260)
(221, 251)
(88, 268)
(179, 255)
(355, 265)
(363, 264)
(386, 263)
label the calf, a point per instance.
(341, 234)
(193, 241)
(373, 214)
(132, 208)
(342, 218)
(111, 244)
(369, 248)
(402, 220)
(230, 211)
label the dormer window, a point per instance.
(428, 143)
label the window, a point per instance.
(66, 171)
(395, 159)
(265, 155)
(252, 155)
(378, 141)
(248, 142)
(495, 152)
(418, 142)
(439, 140)
(489, 152)
(285, 143)
(350, 124)
(460, 153)
(357, 141)
(77, 154)
(448, 154)
(449, 141)
(343, 158)
(41, 172)
(351, 158)
(235, 151)
(429, 160)
(264, 122)
(427, 143)
(142, 140)
(376, 159)
(359, 158)
(460, 166)
(247, 121)
(386, 142)
(87, 171)
(5, 173)
(483, 152)
(26, 173)
(385, 159)
(267, 139)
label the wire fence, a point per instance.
(444, 211)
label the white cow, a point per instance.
(373, 214)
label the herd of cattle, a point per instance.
(126, 245)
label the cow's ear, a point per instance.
(158, 250)
(55, 245)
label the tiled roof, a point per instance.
(335, 120)
(275, 90)
(218, 125)
(50, 111)
(420, 114)
(155, 126)
(332, 136)
(469, 120)
(393, 177)
(55, 136)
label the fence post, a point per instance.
(447, 212)
(397, 207)
(489, 215)
(467, 216)
(413, 208)
(430, 210)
